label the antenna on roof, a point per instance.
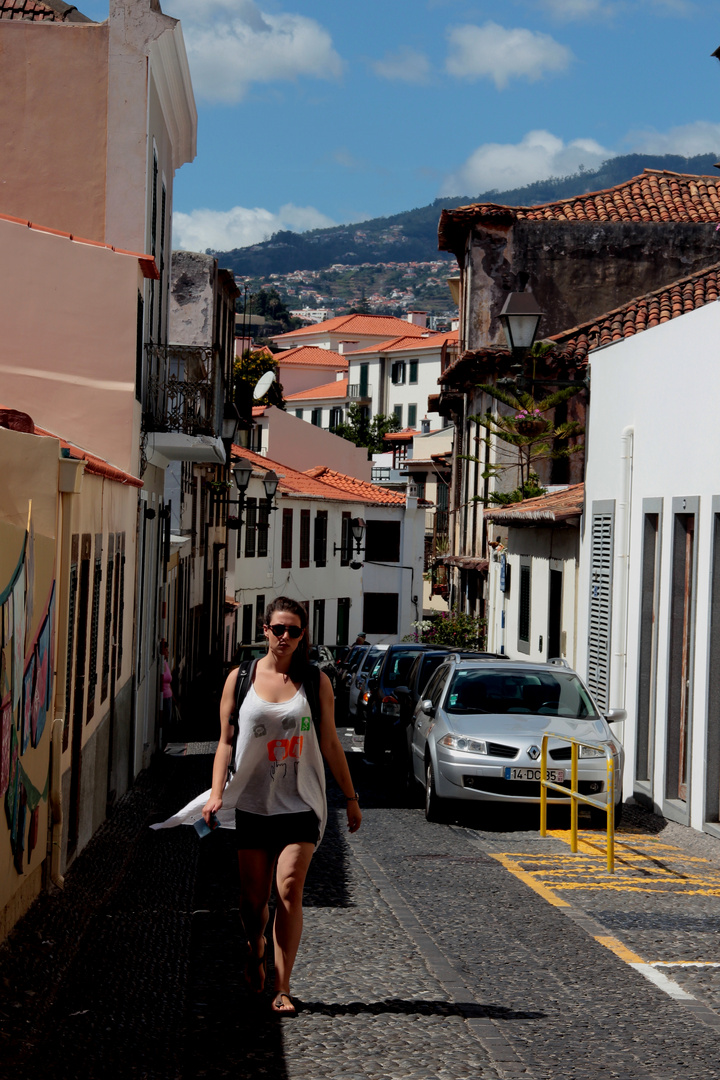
(263, 384)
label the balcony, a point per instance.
(185, 391)
(360, 392)
(183, 407)
(448, 355)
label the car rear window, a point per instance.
(538, 693)
(398, 667)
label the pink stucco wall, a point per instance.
(68, 346)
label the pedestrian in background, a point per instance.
(167, 690)
(360, 639)
(278, 789)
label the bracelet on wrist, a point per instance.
(353, 798)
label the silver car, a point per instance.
(478, 730)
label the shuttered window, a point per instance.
(600, 608)
(524, 608)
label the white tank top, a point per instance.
(276, 749)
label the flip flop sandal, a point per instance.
(278, 1005)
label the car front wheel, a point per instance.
(434, 805)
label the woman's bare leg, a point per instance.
(256, 867)
(292, 868)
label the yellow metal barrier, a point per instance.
(575, 796)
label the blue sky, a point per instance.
(316, 112)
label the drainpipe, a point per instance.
(622, 558)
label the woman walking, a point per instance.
(278, 788)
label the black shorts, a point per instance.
(273, 832)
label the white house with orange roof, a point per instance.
(348, 333)
(304, 547)
(324, 406)
(279, 435)
(308, 366)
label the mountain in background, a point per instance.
(412, 235)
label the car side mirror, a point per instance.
(427, 707)
(615, 716)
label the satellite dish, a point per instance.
(263, 384)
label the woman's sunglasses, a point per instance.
(278, 630)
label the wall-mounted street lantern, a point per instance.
(242, 473)
(270, 483)
(520, 318)
(357, 528)
(230, 424)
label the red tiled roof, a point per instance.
(319, 482)
(360, 489)
(555, 507)
(411, 343)
(406, 435)
(38, 11)
(654, 196)
(337, 389)
(258, 410)
(147, 262)
(357, 326)
(640, 314)
(312, 356)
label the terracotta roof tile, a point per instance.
(312, 356)
(319, 482)
(337, 389)
(361, 489)
(37, 11)
(654, 196)
(411, 343)
(642, 313)
(357, 325)
(556, 506)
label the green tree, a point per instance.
(361, 430)
(248, 369)
(534, 434)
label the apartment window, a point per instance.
(336, 417)
(346, 539)
(524, 608)
(286, 541)
(412, 416)
(413, 371)
(398, 413)
(380, 613)
(380, 474)
(250, 527)
(316, 417)
(263, 527)
(320, 546)
(260, 616)
(343, 620)
(382, 542)
(304, 537)
(397, 372)
(318, 632)
(299, 413)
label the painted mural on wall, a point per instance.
(26, 669)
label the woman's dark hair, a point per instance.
(300, 658)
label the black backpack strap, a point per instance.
(242, 685)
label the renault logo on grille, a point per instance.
(533, 752)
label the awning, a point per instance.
(166, 446)
(466, 562)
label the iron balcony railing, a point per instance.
(184, 390)
(360, 392)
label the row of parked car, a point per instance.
(469, 725)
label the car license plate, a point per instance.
(555, 776)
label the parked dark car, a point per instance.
(382, 721)
(345, 671)
(321, 657)
(365, 694)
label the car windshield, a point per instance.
(398, 667)
(541, 693)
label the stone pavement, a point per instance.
(425, 955)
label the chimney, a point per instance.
(345, 346)
(425, 426)
(417, 318)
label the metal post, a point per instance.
(573, 800)
(543, 789)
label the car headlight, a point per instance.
(591, 751)
(464, 744)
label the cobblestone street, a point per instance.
(475, 949)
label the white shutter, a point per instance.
(600, 621)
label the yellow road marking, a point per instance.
(620, 950)
(526, 876)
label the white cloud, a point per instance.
(700, 137)
(223, 230)
(536, 157)
(492, 52)
(406, 65)
(232, 43)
